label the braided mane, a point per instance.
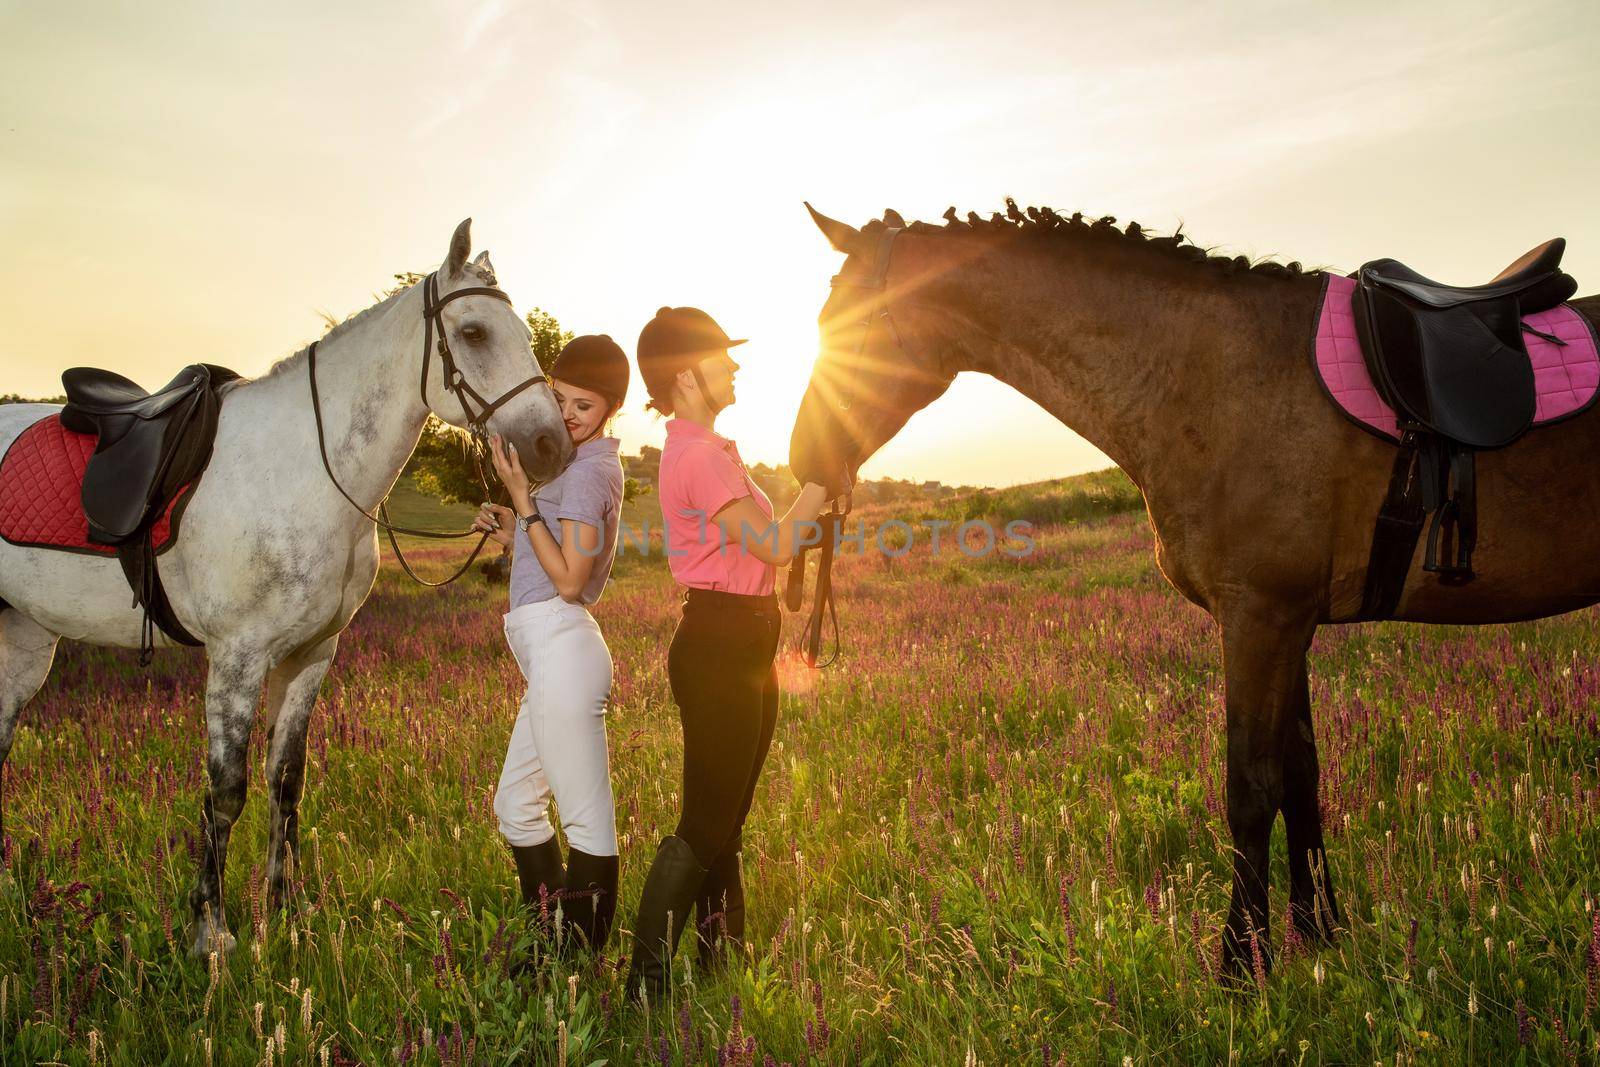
(1045, 222)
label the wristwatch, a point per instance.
(527, 521)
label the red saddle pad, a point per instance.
(41, 486)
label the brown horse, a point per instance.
(1192, 372)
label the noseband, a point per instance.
(457, 384)
(822, 604)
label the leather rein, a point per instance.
(456, 383)
(822, 603)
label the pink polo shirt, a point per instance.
(701, 473)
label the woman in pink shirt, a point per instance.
(723, 547)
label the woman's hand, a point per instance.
(812, 500)
(507, 467)
(495, 520)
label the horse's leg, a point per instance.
(233, 688)
(292, 689)
(1263, 659)
(26, 649)
(1311, 905)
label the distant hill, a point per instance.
(1057, 500)
(1079, 498)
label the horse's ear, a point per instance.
(484, 266)
(460, 248)
(844, 238)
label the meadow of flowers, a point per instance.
(992, 833)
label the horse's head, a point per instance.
(482, 374)
(878, 365)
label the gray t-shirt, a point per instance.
(588, 490)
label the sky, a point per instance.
(202, 182)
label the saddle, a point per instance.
(149, 448)
(1453, 364)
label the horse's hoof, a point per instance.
(211, 939)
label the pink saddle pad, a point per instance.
(1565, 377)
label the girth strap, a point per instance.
(1450, 480)
(138, 559)
(1394, 541)
(1431, 476)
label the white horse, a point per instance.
(273, 562)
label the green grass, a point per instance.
(994, 833)
(409, 506)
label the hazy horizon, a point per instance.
(201, 184)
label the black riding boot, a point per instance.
(539, 870)
(719, 910)
(669, 891)
(590, 900)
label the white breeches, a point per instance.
(558, 744)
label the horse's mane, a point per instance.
(294, 360)
(1046, 224)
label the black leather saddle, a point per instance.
(1452, 363)
(151, 445)
(1451, 358)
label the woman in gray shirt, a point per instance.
(563, 536)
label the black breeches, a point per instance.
(726, 687)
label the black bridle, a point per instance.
(456, 383)
(454, 380)
(810, 644)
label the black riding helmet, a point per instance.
(677, 339)
(596, 362)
